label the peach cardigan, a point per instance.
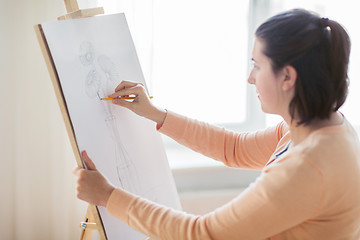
(311, 191)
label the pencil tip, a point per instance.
(98, 95)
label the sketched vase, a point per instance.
(125, 167)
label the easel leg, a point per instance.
(87, 226)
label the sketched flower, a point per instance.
(109, 67)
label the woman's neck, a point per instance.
(300, 132)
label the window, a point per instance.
(200, 66)
(200, 58)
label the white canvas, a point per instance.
(92, 56)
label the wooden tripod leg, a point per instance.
(88, 225)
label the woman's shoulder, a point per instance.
(331, 140)
(331, 150)
(334, 151)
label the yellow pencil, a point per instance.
(126, 98)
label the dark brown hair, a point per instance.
(319, 49)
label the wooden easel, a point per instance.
(92, 218)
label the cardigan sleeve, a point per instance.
(244, 150)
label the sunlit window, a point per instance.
(200, 58)
(200, 63)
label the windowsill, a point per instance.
(195, 172)
(182, 159)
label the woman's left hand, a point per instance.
(92, 186)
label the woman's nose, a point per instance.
(251, 79)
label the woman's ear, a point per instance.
(289, 78)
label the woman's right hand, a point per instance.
(141, 105)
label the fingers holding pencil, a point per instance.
(141, 104)
(126, 84)
(128, 90)
(136, 92)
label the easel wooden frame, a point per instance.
(92, 218)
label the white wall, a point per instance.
(6, 126)
(37, 188)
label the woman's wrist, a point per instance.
(107, 195)
(159, 116)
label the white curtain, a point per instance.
(37, 186)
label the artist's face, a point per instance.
(267, 83)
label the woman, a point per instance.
(309, 187)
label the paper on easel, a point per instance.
(92, 56)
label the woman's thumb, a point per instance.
(88, 162)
